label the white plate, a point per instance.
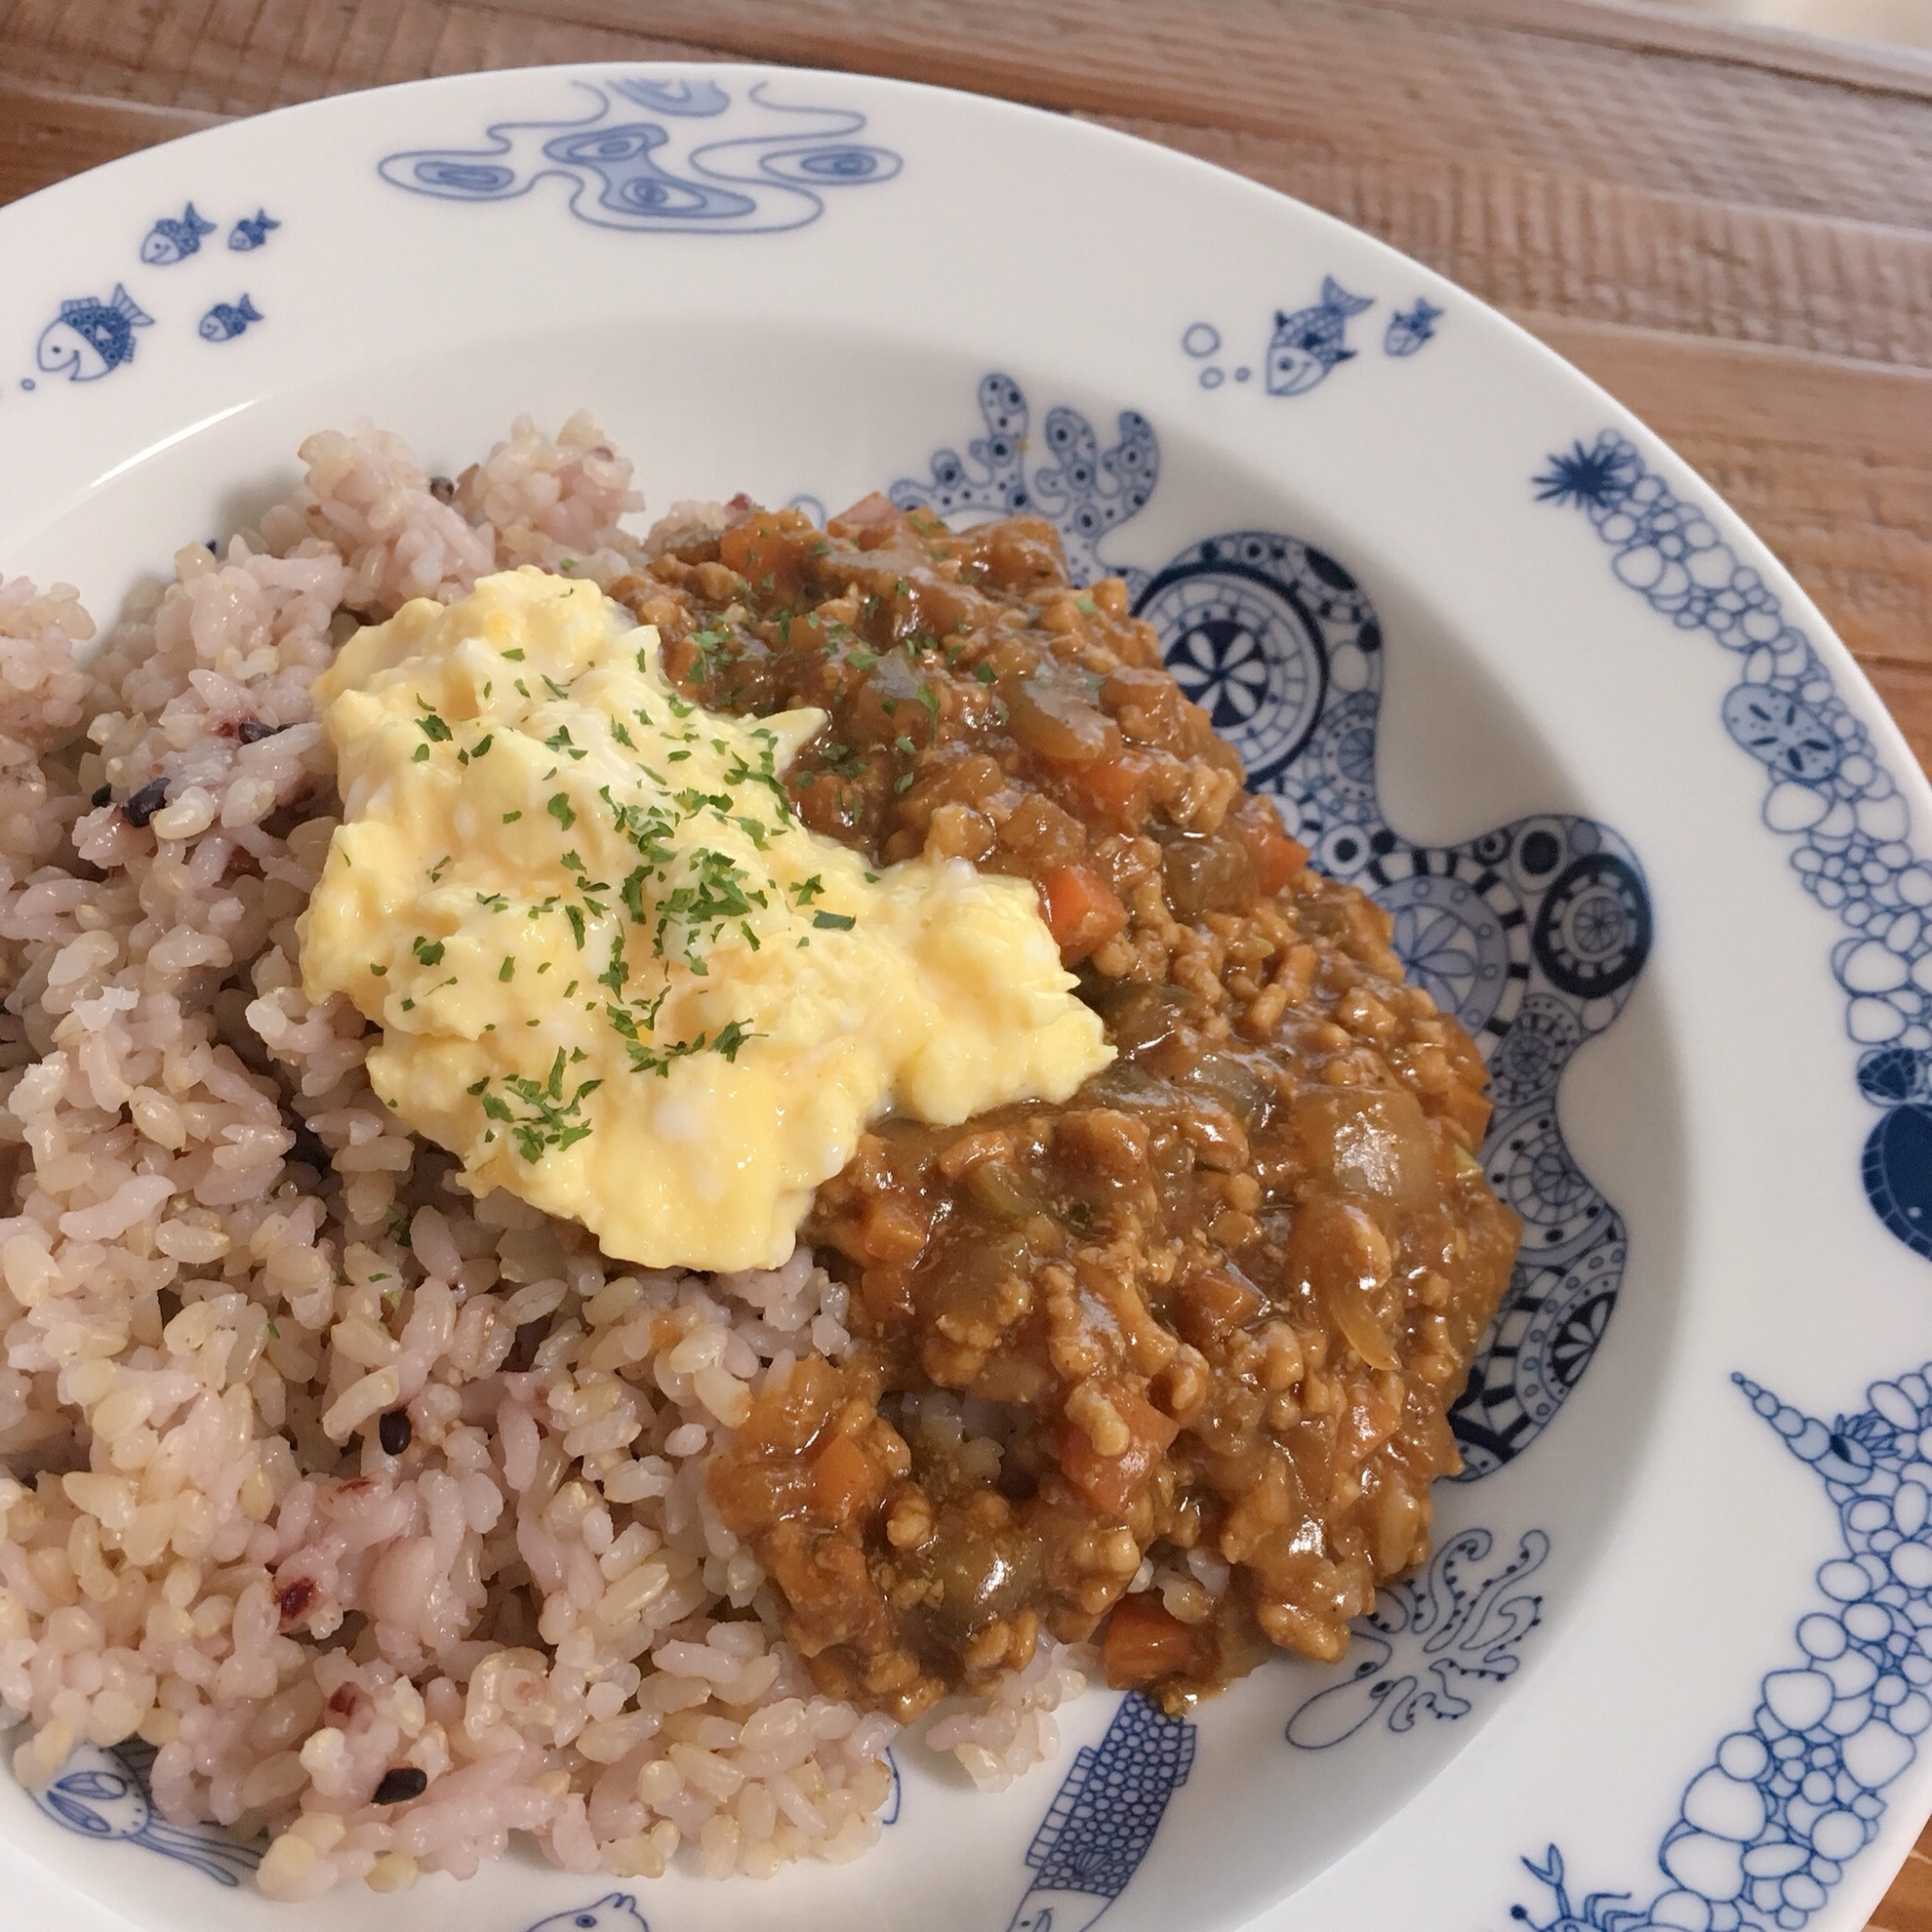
(1667, 1668)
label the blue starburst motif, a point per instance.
(1597, 475)
(1846, 819)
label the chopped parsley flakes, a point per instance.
(549, 1121)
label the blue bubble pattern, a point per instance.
(1828, 795)
(1765, 1831)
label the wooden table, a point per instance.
(1730, 228)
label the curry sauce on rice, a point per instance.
(397, 1514)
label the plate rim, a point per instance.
(1848, 676)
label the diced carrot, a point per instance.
(1115, 786)
(1145, 1642)
(1082, 911)
(846, 1483)
(1278, 858)
(1109, 1482)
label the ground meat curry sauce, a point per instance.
(1218, 1302)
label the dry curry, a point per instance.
(1210, 1312)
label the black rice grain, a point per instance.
(146, 801)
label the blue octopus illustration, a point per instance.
(1828, 794)
(1765, 1829)
(1103, 1819)
(768, 169)
(1432, 1641)
(103, 1795)
(1532, 935)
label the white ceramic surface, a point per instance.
(1675, 1630)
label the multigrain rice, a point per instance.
(229, 1277)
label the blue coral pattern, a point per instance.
(1827, 793)
(1082, 490)
(1766, 1830)
(103, 1795)
(1103, 1819)
(1532, 935)
(693, 163)
(1432, 1643)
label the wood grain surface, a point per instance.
(1729, 228)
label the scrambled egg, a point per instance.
(613, 973)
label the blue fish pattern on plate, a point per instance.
(1765, 1830)
(225, 321)
(671, 172)
(1309, 343)
(1432, 1643)
(1410, 328)
(175, 239)
(251, 230)
(91, 338)
(1103, 1819)
(103, 1795)
(1532, 935)
(614, 1911)
(1826, 792)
